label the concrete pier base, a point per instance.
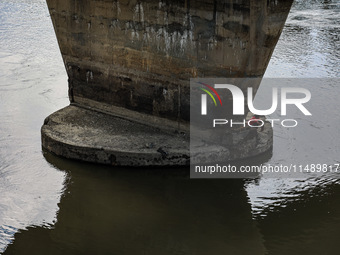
(129, 65)
(88, 135)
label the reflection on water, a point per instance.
(303, 220)
(309, 45)
(32, 85)
(50, 205)
(146, 211)
(162, 211)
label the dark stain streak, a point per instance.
(236, 27)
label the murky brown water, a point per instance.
(50, 205)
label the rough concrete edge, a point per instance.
(109, 157)
(133, 159)
(106, 156)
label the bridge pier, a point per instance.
(129, 64)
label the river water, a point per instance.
(50, 205)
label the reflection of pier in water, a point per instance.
(162, 211)
(144, 211)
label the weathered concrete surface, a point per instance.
(140, 55)
(133, 60)
(78, 133)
